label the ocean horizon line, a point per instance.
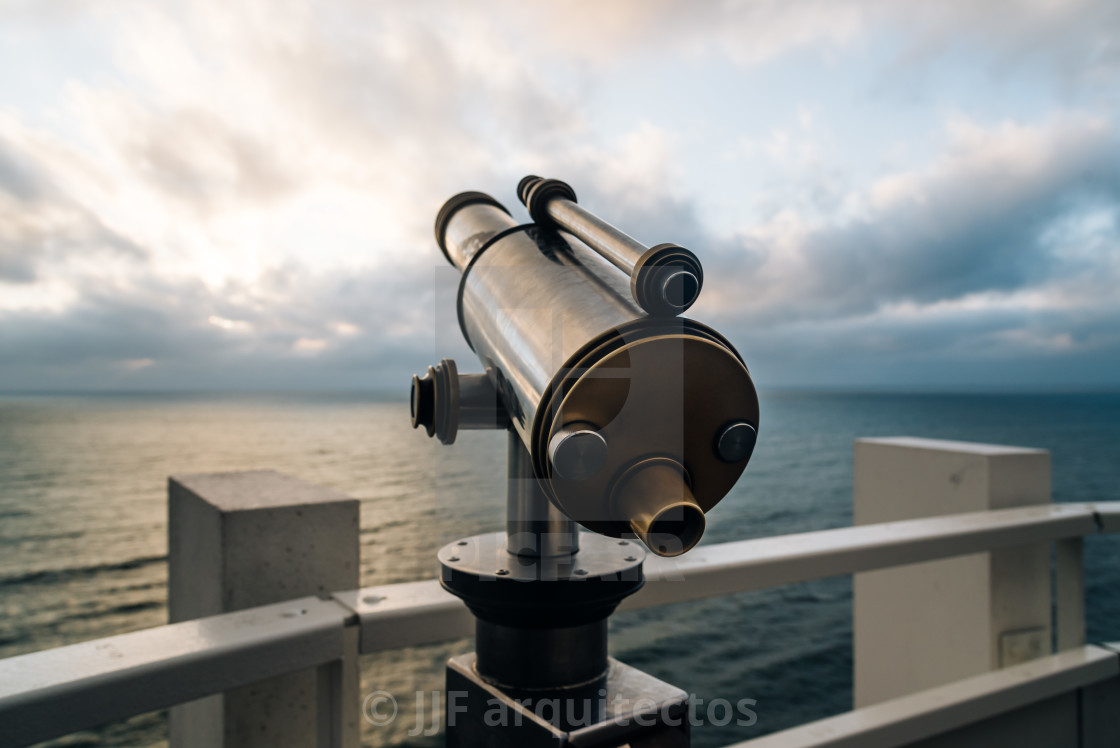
(401, 394)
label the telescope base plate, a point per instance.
(626, 707)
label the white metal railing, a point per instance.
(58, 691)
(54, 692)
(402, 615)
(936, 711)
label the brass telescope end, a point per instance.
(655, 496)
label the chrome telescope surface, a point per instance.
(633, 423)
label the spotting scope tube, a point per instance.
(665, 280)
(634, 424)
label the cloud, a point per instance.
(16, 175)
(41, 224)
(197, 159)
(244, 195)
(1003, 250)
(292, 329)
(984, 256)
(975, 219)
(1075, 38)
(1005, 347)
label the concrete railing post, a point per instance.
(239, 540)
(924, 625)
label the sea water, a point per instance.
(83, 528)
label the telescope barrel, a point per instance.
(632, 424)
(665, 280)
(528, 299)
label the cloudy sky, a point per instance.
(214, 194)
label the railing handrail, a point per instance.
(401, 615)
(57, 691)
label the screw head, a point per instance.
(631, 558)
(372, 599)
(453, 558)
(736, 441)
(502, 572)
(580, 572)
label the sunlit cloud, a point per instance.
(309, 345)
(229, 324)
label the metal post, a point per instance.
(240, 540)
(534, 527)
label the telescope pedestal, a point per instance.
(541, 675)
(626, 707)
(621, 416)
(541, 594)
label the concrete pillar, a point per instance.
(239, 540)
(1069, 593)
(925, 625)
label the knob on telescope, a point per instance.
(577, 451)
(443, 401)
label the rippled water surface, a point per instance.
(83, 525)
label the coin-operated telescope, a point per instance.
(623, 417)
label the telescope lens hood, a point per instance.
(449, 208)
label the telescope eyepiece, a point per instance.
(675, 530)
(656, 496)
